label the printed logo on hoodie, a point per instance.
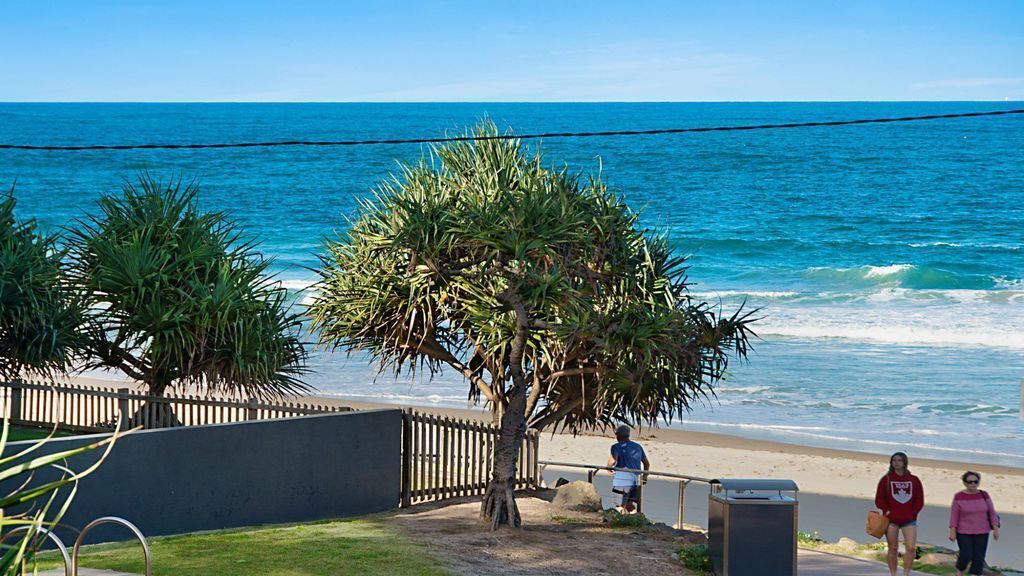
(902, 491)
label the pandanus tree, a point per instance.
(181, 300)
(41, 318)
(537, 285)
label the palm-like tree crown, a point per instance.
(523, 277)
(181, 300)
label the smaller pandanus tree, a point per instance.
(42, 319)
(180, 300)
(535, 284)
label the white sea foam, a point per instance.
(1006, 291)
(880, 271)
(297, 284)
(868, 271)
(397, 398)
(1009, 283)
(900, 334)
(929, 244)
(965, 245)
(921, 432)
(745, 293)
(892, 314)
(747, 426)
(726, 389)
(880, 313)
(904, 316)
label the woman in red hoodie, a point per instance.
(900, 496)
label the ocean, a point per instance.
(887, 260)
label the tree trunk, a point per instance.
(155, 414)
(499, 504)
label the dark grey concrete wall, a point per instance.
(209, 477)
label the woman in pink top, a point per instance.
(971, 518)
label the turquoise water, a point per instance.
(888, 259)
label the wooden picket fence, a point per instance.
(445, 458)
(80, 408)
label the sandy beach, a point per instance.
(836, 486)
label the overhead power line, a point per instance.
(506, 136)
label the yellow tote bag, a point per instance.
(878, 523)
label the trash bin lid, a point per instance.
(735, 484)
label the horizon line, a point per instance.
(1007, 101)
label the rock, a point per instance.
(939, 559)
(578, 495)
(684, 536)
(665, 529)
(847, 543)
(693, 538)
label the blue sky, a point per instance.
(188, 50)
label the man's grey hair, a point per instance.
(622, 431)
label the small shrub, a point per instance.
(616, 519)
(696, 558)
(809, 538)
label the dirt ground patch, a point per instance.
(552, 541)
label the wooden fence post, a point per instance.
(407, 458)
(122, 407)
(251, 412)
(16, 401)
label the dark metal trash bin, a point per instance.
(752, 527)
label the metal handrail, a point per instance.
(111, 520)
(592, 469)
(631, 470)
(60, 546)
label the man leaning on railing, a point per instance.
(630, 455)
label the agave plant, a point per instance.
(535, 284)
(180, 299)
(41, 504)
(41, 318)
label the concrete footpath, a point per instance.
(831, 516)
(811, 563)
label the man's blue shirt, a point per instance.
(627, 454)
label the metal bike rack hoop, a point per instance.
(111, 520)
(60, 545)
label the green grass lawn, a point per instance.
(19, 433)
(357, 546)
